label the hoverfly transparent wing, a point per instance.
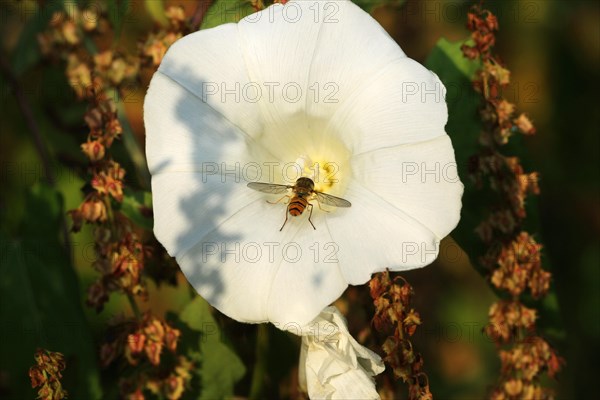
(331, 200)
(269, 187)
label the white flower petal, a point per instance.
(332, 364)
(210, 65)
(425, 184)
(403, 103)
(187, 206)
(374, 235)
(185, 134)
(252, 272)
(205, 125)
(224, 269)
(304, 284)
(188, 146)
(310, 56)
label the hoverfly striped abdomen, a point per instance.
(297, 205)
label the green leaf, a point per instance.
(370, 5)
(137, 206)
(224, 11)
(446, 51)
(156, 9)
(40, 304)
(27, 52)
(463, 126)
(221, 368)
(117, 14)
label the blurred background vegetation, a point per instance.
(553, 51)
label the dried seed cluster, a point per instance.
(98, 73)
(395, 317)
(513, 256)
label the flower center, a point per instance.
(327, 164)
(313, 150)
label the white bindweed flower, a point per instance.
(315, 89)
(332, 364)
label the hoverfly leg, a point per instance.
(284, 222)
(310, 215)
(319, 204)
(287, 195)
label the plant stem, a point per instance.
(134, 307)
(34, 128)
(260, 365)
(200, 13)
(133, 148)
(129, 141)
(29, 119)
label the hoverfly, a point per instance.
(302, 193)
